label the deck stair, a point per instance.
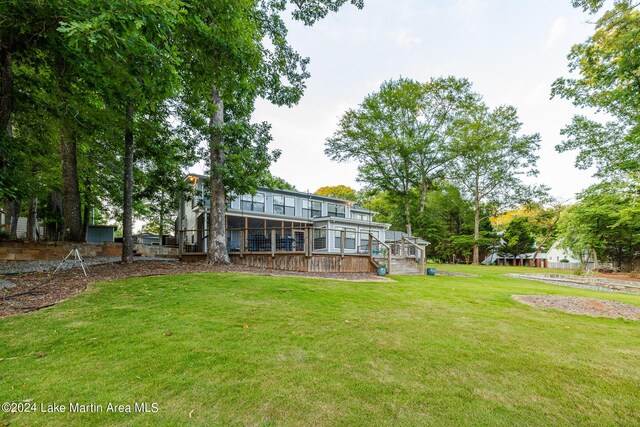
(405, 266)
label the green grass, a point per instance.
(422, 351)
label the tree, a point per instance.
(606, 220)
(608, 64)
(490, 157)
(234, 52)
(130, 60)
(518, 238)
(338, 191)
(276, 183)
(399, 135)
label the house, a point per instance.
(518, 260)
(280, 220)
(146, 238)
(559, 257)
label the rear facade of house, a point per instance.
(280, 219)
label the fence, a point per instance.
(569, 265)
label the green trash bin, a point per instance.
(431, 271)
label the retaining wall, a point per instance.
(18, 250)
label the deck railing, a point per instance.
(305, 240)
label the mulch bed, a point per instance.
(585, 306)
(34, 291)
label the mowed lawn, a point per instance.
(230, 349)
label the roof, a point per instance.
(102, 226)
(349, 221)
(146, 235)
(490, 259)
(303, 194)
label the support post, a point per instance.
(342, 242)
(241, 243)
(308, 241)
(180, 242)
(273, 243)
(370, 246)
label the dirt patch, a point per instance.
(454, 273)
(33, 291)
(585, 306)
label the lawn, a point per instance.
(230, 349)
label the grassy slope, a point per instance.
(426, 350)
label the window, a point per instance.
(319, 238)
(360, 217)
(199, 198)
(253, 203)
(349, 238)
(335, 210)
(311, 208)
(283, 205)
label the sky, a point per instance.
(511, 50)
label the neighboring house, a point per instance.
(521, 259)
(254, 221)
(21, 229)
(559, 257)
(555, 257)
(146, 238)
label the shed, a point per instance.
(100, 233)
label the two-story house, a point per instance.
(281, 220)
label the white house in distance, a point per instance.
(559, 257)
(278, 220)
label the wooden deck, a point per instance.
(318, 263)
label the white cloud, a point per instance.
(558, 29)
(405, 38)
(469, 6)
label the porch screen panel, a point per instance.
(319, 239)
(349, 238)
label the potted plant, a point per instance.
(382, 270)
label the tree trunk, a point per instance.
(407, 215)
(85, 220)
(68, 154)
(161, 217)
(217, 238)
(546, 237)
(31, 219)
(127, 209)
(6, 99)
(15, 215)
(70, 187)
(476, 230)
(423, 196)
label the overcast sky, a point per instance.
(511, 50)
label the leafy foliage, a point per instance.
(609, 68)
(606, 220)
(339, 191)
